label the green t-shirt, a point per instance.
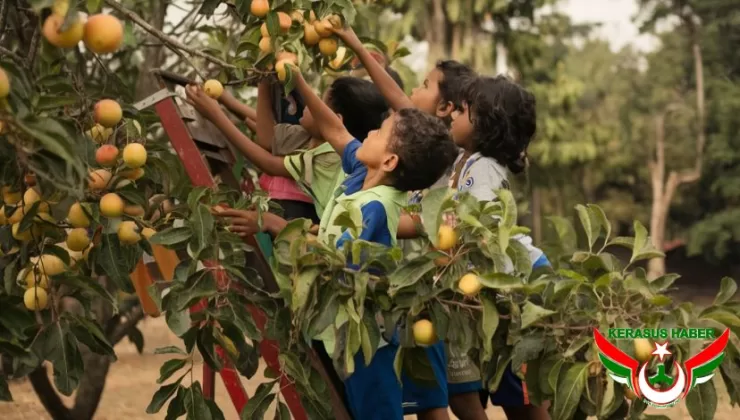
(316, 171)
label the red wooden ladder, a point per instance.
(202, 155)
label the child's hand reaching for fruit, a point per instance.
(205, 105)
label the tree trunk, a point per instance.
(457, 35)
(153, 56)
(438, 33)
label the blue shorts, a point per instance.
(373, 392)
(511, 392)
(418, 398)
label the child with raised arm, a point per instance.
(495, 127)
(317, 168)
(409, 152)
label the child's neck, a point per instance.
(374, 178)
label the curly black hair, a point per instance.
(361, 105)
(504, 120)
(455, 78)
(424, 147)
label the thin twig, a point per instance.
(34, 47)
(3, 17)
(173, 44)
(15, 57)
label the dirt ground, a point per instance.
(131, 383)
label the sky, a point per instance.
(616, 18)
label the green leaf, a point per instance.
(195, 403)
(176, 408)
(178, 321)
(662, 283)
(641, 240)
(571, 384)
(489, 324)
(591, 227)
(302, 287)
(257, 406)
(90, 334)
(409, 274)
(111, 261)
(170, 350)
(577, 345)
(701, 402)
(501, 281)
(432, 205)
(202, 223)
(161, 396)
(60, 347)
(623, 241)
(282, 412)
(527, 348)
(727, 290)
(172, 236)
(418, 367)
(370, 334)
(169, 368)
(533, 313)
(598, 214)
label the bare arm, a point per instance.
(242, 110)
(407, 227)
(252, 124)
(331, 126)
(265, 128)
(388, 87)
(209, 108)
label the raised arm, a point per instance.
(329, 124)
(209, 108)
(238, 108)
(265, 118)
(388, 87)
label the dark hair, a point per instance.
(424, 147)
(456, 77)
(396, 77)
(360, 104)
(504, 120)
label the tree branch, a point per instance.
(34, 46)
(3, 17)
(47, 394)
(173, 44)
(13, 56)
(121, 330)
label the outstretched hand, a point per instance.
(241, 222)
(348, 36)
(204, 104)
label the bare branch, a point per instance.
(13, 56)
(121, 330)
(34, 46)
(4, 9)
(172, 43)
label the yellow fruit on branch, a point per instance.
(78, 239)
(3, 218)
(264, 31)
(31, 196)
(287, 56)
(338, 61)
(69, 38)
(11, 196)
(4, 84)
(134, 155)
(103, 33)
(266, 45)
(107, 112)
(643, 349)
(335, 21)
(34, 279)
(310, 36)
(77, 216)
(26, 235)
(106, 155)
(132, 174)
(328, 46)
(323, 28)
(424, 333)
(111, 205)
(60, 7)
(134, 210)
(285, 22)
(281, 70)
(470, 285)
(128, 233)
(213, 88)
(446, 238)
(148, 232)
(99, 134)
(259, 8)
(297, 15)
(99, 179)
(35, 299)
(51, 265)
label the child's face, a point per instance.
(462, 128)
(427, 98)
(375, 151)
(307, 121)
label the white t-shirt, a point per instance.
(480, 176)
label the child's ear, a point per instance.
(390, 162)
(445, 109)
